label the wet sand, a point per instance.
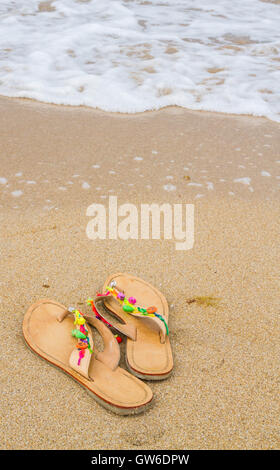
(55, 162)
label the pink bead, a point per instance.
(121, 296)
(81, 355)
(132, 300)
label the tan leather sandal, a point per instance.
(143, 310)
(49, 331)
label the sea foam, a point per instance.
(132, 56)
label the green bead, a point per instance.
(128, 308)
(78, 334)
(142, 310)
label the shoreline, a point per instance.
(223, 393)
(32, 101)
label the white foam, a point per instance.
(195, 184)
(169, 187)
(245, 180)
(265, 173)
(139, 159)
(3, 180)
(17, 193)
(132, 56)
(85, 185)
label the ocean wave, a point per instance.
(134, 55)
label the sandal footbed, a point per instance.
(117, 390)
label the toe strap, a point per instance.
(80, 358)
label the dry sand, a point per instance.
(224, 392)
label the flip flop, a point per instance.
(49, 331)
(144, 312)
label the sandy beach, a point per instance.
(55, 162)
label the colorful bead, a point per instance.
(132, 300)
(81, 355)
(89, 347)
(128, 308)
(83, 330)
(151, 309)
(142, 310)
(121, 296)
(78, 334)
(81, 345)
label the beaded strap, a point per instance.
(129, 305)
(81, 333)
